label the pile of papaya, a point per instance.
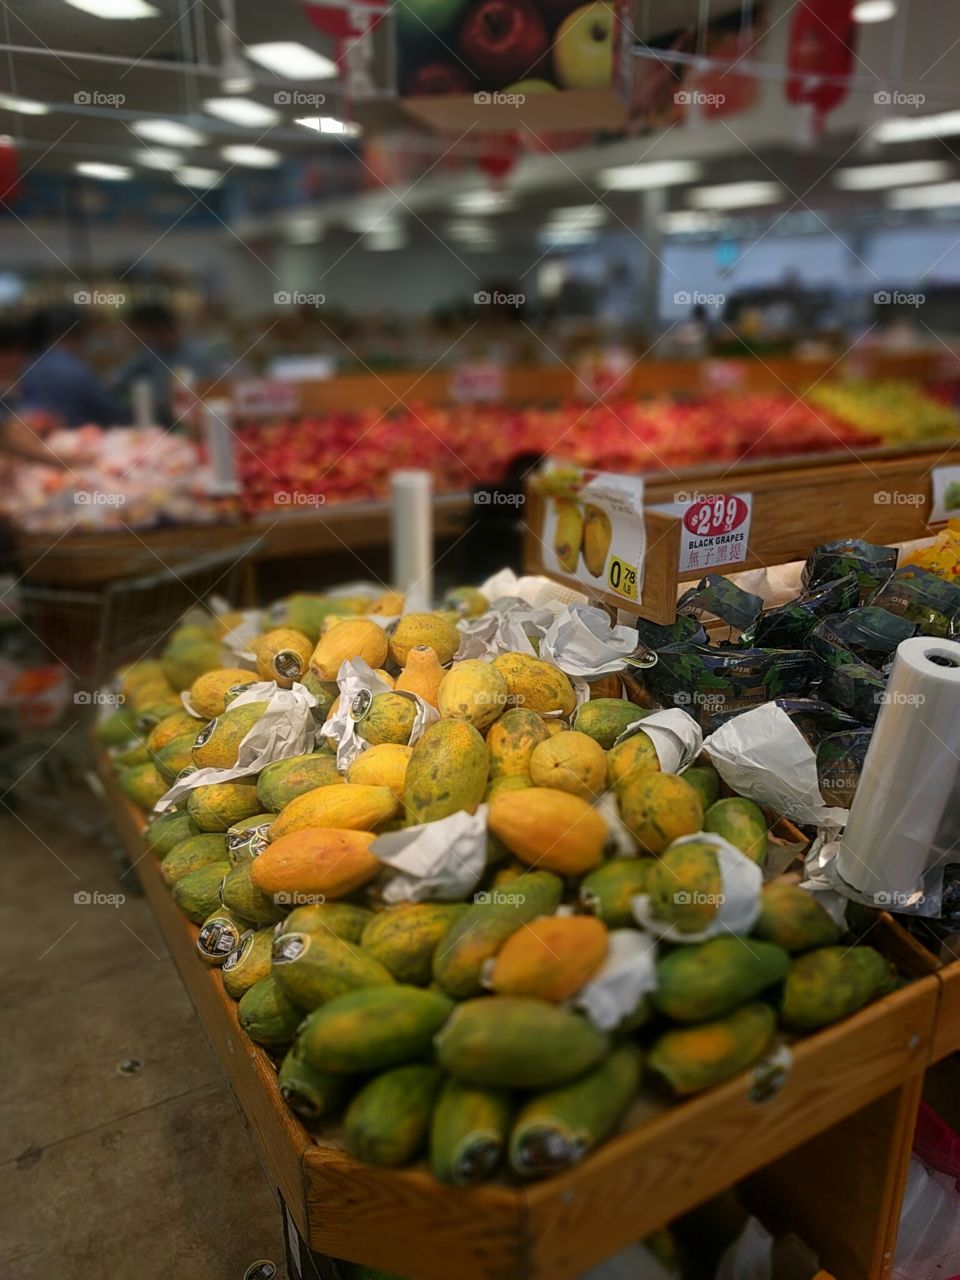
(478, 1032)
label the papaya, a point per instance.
(568, 533)
(191, 854)
(172, 726)
(344, 920)
(512, 1042)
(826, 985)
(511, 742)
(346, 805)
(486, 925)
(315, 967)
(474, 691)
(146, 671)
(536, 685)
(597, 536)
(742, 824)
(468, 1133)
(403, 938)
(794, 919)
(208, 693)
(176, 756)
(311, 1094)
(468, 602)
(152, 713)
(389, 604)
(430, 629)
(248, 962)
(705, 781)
(604, 719)
(240, 895)
(689, 1059)
(282, 655)
(630, 759)
(384, 765)
(197, 894)
(551, 958)
(326, 693)
(686, 887)
(138, 754)
(217, 744)
(549, 829)
(193, 632)
(182, 663)
(713, 978)
(353, 639)
(268, 1015)
(217, 806)
(496, 785)
(284, 780)
(306, 613)
(607, 891)
(447, 772)
(388, 1120)
(571, 762)
(248, 837)
(168, 830)
(372, 1029)
(324, 862)
(144, 785)
(658, 808)
(219, 934)
(555, 1130)
(388, 717)
(422, 674)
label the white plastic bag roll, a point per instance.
(905, 817)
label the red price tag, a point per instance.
(477, 383)
(721, 513)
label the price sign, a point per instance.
(593, 533)
(946, 494)
(263, 397)
(622, 578)
(716, 528)
(481, 382)
(723, 375)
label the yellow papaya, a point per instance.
(604, 719)
(431, 629)
(343, 919)
(388, 605)
(742, 823)
(217, 745)
(282, 655)
(218, 805)
(422, 674)
(248, 962)
(474, 691)
(387, 717)
(658, 808)
(597, 535)
(468, 602)
(137, 674)
(496, 785)
(568, 533)
(631, 758)
(208, 692)
(511, 741)
(447, 772)
(536, 685)
(190, 854)
(689, 1059)
(322, 861)
(349, 640)
(346, 805)
(685, 886)
(403, 938)
(182, 663)
(549, 829)
(176, 756)
(144, 785)
(551, 958)
(384, 765)
(571, 762)
(172, 726)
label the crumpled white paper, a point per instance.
(494, 633)
(741, 881)
(440, 861)
(353, 678)
(761, 754)
(620, 842)
(583, 642)
(533, 589)
(628, 973)
(675, 734)
(191, 709)
(286, 728)
(238, 639)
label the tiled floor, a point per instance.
(135, 1176)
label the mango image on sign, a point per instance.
(568, 535)
(597, 536)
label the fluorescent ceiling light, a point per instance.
(105, 172)
(192, 175)
(874, 10)
(565, 237)
(483, 201)
(116, 8)
(687, 220)
(329, 124)
(304, 230)
(471, 232)
(872, 177)
(385, 238)
(916, 128)
(583, 216)
(251, 157)
(25, 106)
(242, 111)
(641, 177)
(936, 196)
(736, 195)
(159, 158)
(292, 61)
(169, 133)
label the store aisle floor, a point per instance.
(135, 1175)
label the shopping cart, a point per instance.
(81, 636)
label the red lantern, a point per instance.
(821, 44)
(9, 170)
(347, 21)
(499, 159)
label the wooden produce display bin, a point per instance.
(668, 1159)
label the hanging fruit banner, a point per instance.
(820, 55)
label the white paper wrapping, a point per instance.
(676, 736)
(286, 728)
(494, 633)
(237, 640)
(440, 861)
(905, 816)
(762, 755)
(357, 677)
(534, 589)
(620, 842)
(628, 973)
(582, 642)
(741, 881)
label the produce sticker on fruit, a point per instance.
(593, 529)
(715, 528)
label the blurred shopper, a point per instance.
(18, 440)
(57, 380)
(162, 356)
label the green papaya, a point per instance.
(404, 938)
(309, 1093)
(248, 837)
(484, 927)
(168, 830)
(284, 780)
(220, 935)
(514, 1042)
(342, 919)
(389, 717)
(689, 1059)
(217, 744)
(136, 755)
(714, 977)
(143, 785)
(116, 729)
(248, 962)
(197, 894)
(315, 967)
(240, 895)
(705, 781)
(326, 693)
(192, 854)
(826, 985)
(606, 892)
(388, 1120)
(176, 756)
(372, 1029)
(742, 823)
(268, 1015)
(794, 919)
(604, 719)
(555, 1130)
(468, 1132)
(185, 660)
(685, 886)
(217, 806)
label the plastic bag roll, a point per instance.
(412, 534)
(905, 817)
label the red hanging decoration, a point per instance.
(822, 37)
(345, 22)
(499, 159)
(9, 170)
